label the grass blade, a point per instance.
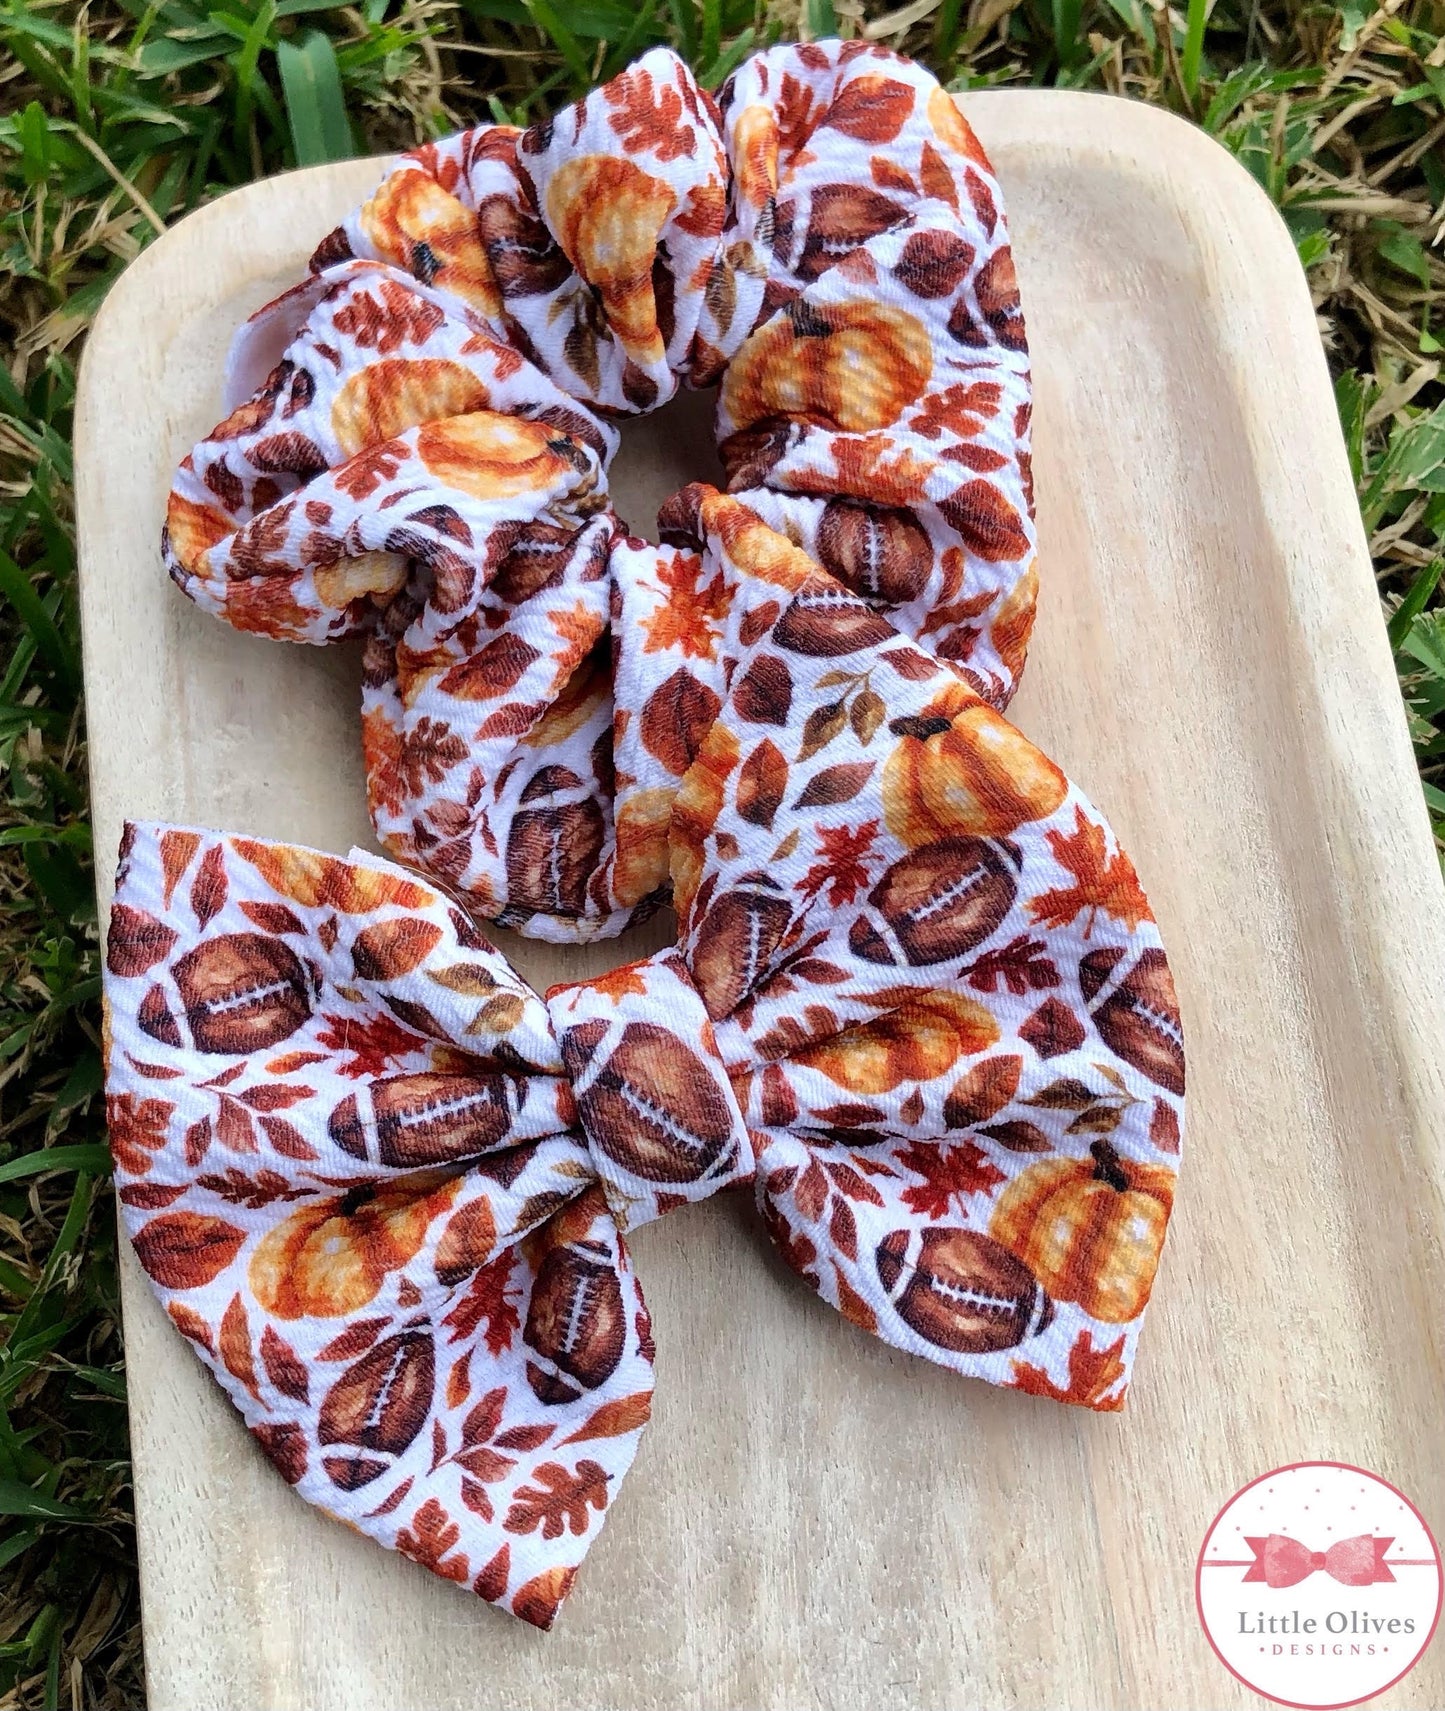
(315, 101)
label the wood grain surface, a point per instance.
(815, 1519)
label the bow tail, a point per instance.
(389, 1248)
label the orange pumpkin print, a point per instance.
(1089, 1229)
(922, 1038)
(194, 528)
(961, 769)
(492, 456)
(608, 214)
(386, 398)
(332, 1255)
(413, 222)
(852, 366)
(1014, 622)
(695, 812)
(952, 129)
(642, 848)
(359, 576)
(755, 154)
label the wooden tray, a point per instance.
(815, 1519)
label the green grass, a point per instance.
(122, 115)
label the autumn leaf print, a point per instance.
(1101, 881)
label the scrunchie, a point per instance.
(918, 1004)
(420, 439)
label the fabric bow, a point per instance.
(1282, 1561)
(917, 1001)
(418, 443)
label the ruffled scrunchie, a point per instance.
(419, 438)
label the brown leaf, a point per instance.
(150, 1196)
(137, 941)
(354, 1340)
(177, 848)
(190, 1324)
(288, 1140)
(614, 1419)
(764, 694)
(276, 1096)
(491, 1583)
(198, 1140)
(273, 917)
(524, 1438)
(1097, 1120)
(234, 1346)
(872, 108)
(823, 724)
(391, 949)
(675, 719)
(1019, 1137)
(866, 715)
(983, 1092)
(233, 1126)
(471, 979)
(1066, 1094)
(835, 784)
(208, 892)
(284, 1367)
(811, 1193)
(843, 1228)
(1164, 1128)
(852, 1305)
(761, 784)
(494, 670)
(186, 1250)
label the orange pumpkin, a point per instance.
(642, 848)
(194, 528)
(494, 457)
(694, 812)
(1089, 1229)
(386, 398)
(332, 1255)
(961, 770)
(755, 154)
(608, 215)
(414, 222)
(1014, 623)
(922, 1038)
(853, 366)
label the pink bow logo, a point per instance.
(1282, 1561)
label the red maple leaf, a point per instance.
(1092, 1375)
(840, 868)
(375, 1046)
(487, 1302)
(947, 1172)
(1101, 881)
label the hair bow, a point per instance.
(418, 445)
(917, 1001)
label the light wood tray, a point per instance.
(815, 1519)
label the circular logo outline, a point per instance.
(1295, 1467)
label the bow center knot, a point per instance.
(1318, 1560)
(654, 1100)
